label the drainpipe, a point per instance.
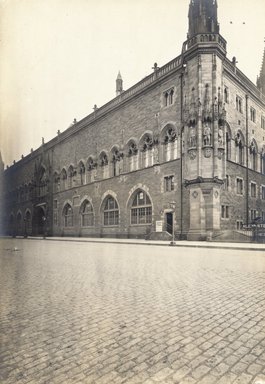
(181, 154)
(247, 183)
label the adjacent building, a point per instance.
(182, 148)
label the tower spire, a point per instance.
(203, 17)
(261, 77)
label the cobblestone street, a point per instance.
(114, 313)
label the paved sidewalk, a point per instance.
(182, 243)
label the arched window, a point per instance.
(91, 169)
(19, 223)
(141, 211)
(68, 215)
(82, 172)
(226, 95)
(26, 192)
(169, 97)
(64, 179)
(71, 174)
(147, 150)
(239, 143)
(104, 161)
(262, 161)
(11, 226)
(116, 158)
(111, 212)
(56, 182)
(133, 156)
(87, 214)
(28, 224)
(228, 145)
(170, 142)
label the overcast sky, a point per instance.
(60, 57)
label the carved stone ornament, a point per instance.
(195, 194)
(192, 138)
(216, 194)
(220, 153)
(192, 154)
(207, 134)
(207, 152)
(220, 137)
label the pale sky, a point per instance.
(60, 57)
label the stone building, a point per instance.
(183, 147)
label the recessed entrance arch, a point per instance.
(39, 220)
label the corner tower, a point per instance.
(203, 117)
(203, 17)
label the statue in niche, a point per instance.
(192, 140)
(220, 137)
(207, 134)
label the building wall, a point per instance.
(155, 119)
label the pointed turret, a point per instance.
(261, 77)
(203, 17)
(119, 84)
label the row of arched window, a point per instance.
(256, 159)
(140, 211)
(133, 157)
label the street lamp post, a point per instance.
(25, 227)
(44, 226)
(173, 207)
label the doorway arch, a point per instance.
(39, 220)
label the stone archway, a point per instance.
(39, 220)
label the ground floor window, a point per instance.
(239, 224)
(68, 216)
(225, 211)
(87, 214)
(141, 211)
(253, 214)
(111, 212)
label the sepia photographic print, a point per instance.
(132, 192)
